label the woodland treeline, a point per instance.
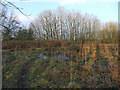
(58, 24)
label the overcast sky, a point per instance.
(105, 10)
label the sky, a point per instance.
(105, 10)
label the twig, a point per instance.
(16, 8)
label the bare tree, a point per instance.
(52, 25)
(9, 24)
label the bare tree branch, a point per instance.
(12, 5)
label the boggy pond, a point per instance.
(58, 56)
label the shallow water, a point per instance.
(58, 56)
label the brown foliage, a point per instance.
(18, 45)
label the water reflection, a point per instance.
(58, 56)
